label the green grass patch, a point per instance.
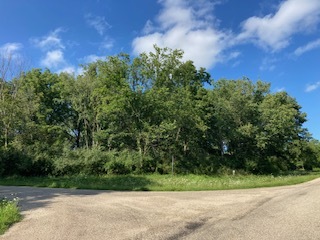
(161, 182)
(9, 214)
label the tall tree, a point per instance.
(281, 125)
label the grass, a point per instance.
(161, 182)
(9, 214)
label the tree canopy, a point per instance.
(151, 113)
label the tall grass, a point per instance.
(9, 214)
(160, 182)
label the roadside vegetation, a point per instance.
(9, 214)
(156, 182)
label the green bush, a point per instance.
(26, 161)
(9, 214)
(122, 162)
(81, 161)
(14, 162)
(117, 167)
(95, 161)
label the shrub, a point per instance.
(117, 167)
(81, 161)
(14, 162)
(123, 162)
(9, 214)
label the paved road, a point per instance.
(291, 212)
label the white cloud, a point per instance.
(10, 48)
(10, 51)
(11, 60)
(107, 43)
(268, 64)
(71, 70)
(186, 25)
(53, 48)
(98, 23)
(281, 89)
(148, 27)
(274, 31)
(191, 26)
(91, 58)
(308, 47)
(312, 87)
(50, 41)
(68, 69)
(53, 59)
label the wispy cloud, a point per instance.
(308, 47)
(186, 25)
(280, 89)
(98, 23)
(148, 27)
(107, 43)
(268, 64)
(10, 51)
(53, 48)
(274, 31)
(71, 70)
(10, 48)
(11, 60)
(91, 58)
(49, 41)
(312, 87)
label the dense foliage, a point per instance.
(153, 113)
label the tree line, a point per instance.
(154, 113)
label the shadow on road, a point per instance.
(36, 197)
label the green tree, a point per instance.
(280, 126)
(231, 115)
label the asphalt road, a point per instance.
(291, 212)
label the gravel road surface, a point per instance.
(291, 212)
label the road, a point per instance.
(291, 212)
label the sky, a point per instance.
(276, 41)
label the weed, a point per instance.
(9, 213)
(156, 182)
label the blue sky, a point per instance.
(276, 41)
